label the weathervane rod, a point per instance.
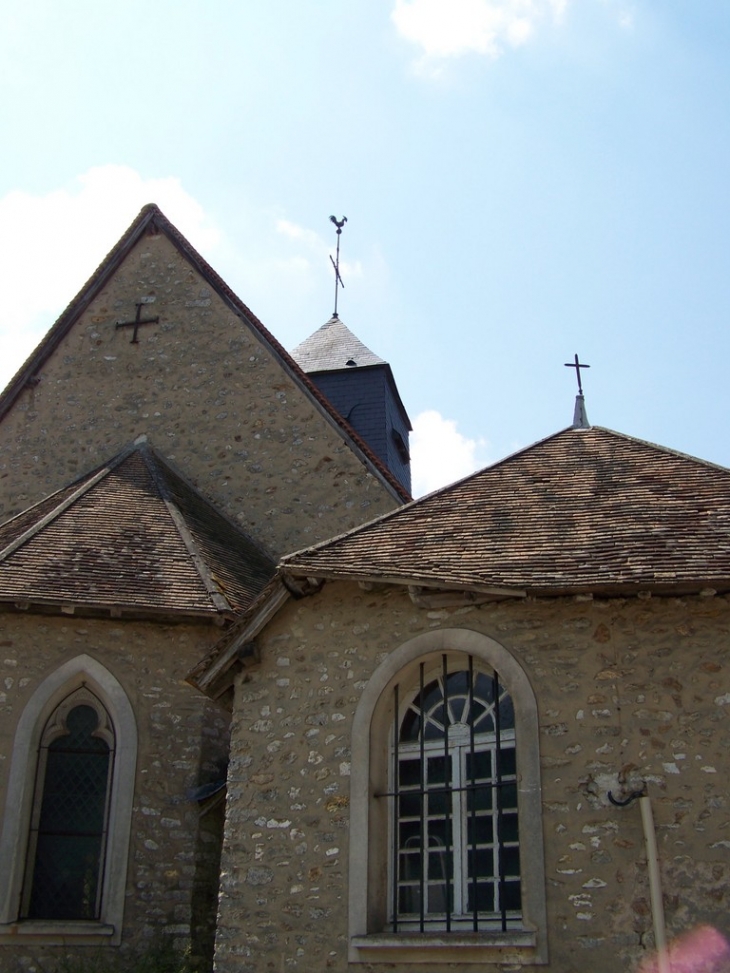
(336, 263)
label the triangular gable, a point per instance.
(151, 221)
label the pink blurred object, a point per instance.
(703, 950)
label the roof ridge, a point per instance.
(173, 470)
(286, 358)
(220, 602)
(665, 449)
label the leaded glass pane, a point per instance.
(68, 842)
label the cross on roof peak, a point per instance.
(577, 365)
(580, 417)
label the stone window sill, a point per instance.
(516, 946)
(55, 933)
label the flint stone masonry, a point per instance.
(629, 691)
(209, 395)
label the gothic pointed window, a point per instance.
(68, 828)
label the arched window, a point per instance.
(64, 845)
(68, 828)
(446, 852)
(454, 817)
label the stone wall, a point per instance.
(183, 742)
(209, 395)
(632, 689)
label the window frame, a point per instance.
(452, 743)
(370, 830)
(21, 801)
(54, 732)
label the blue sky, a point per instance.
(523, 180)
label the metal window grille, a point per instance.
(68, 828)
(455, 861)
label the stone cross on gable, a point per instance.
(136, 323)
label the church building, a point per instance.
(159, 452)
(257, 699)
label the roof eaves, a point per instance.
(116, 610)
(225, 653)
(600, 589)
(375, 576)
(410, 580)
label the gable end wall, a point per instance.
(208, 394)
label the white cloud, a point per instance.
(440, 454)
(296, 232)
(51, 244)
(452, 28)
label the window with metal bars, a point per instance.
(455, 860)
(68, 829)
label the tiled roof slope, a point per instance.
(584, 510)
(133, 536)
(152, 220)
(331, 347)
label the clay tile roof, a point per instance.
(584, 510)
(135, 537)
(331, 347)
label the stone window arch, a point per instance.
(79, 722)
(446, 850)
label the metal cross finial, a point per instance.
(577, 365)
(336, 263)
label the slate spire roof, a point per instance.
(332, 347)
(131, 537)
(585, 510)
